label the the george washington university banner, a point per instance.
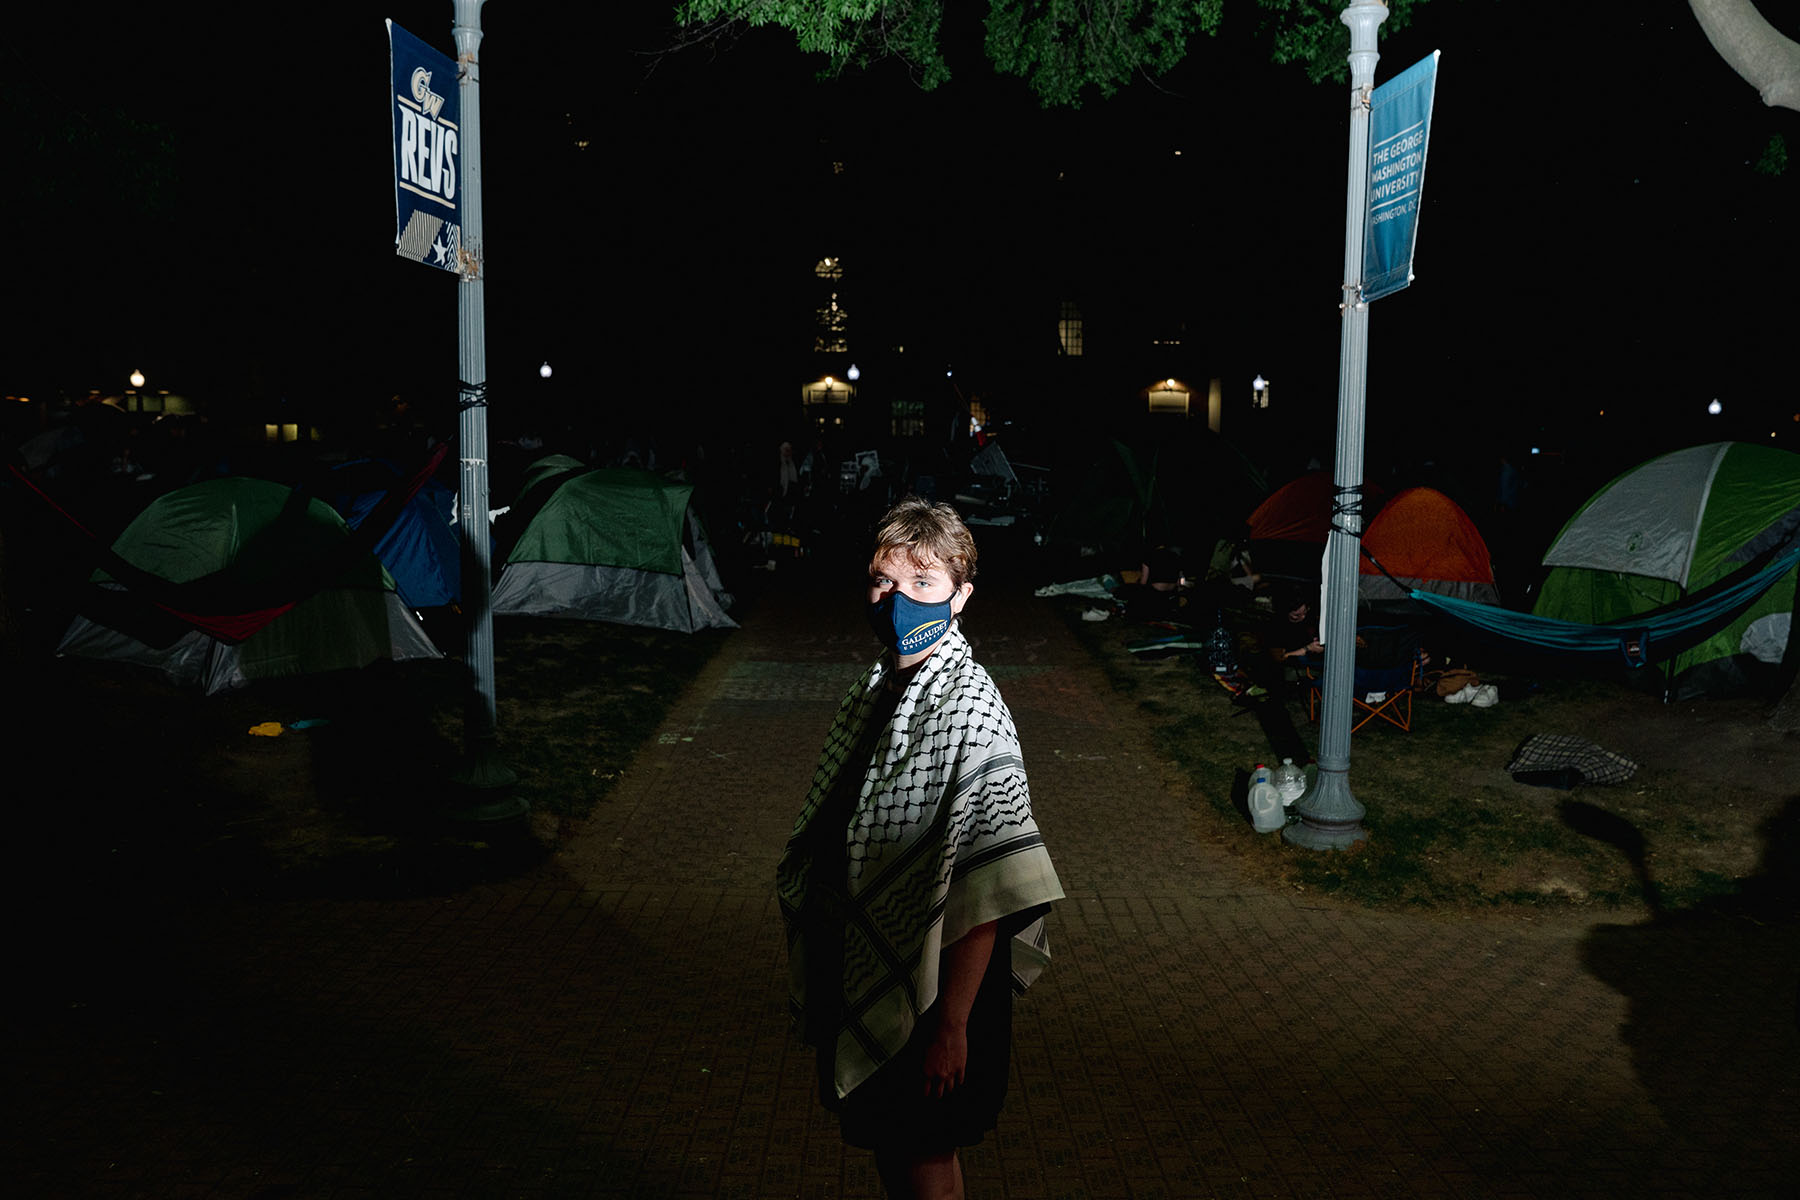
(1399, 131)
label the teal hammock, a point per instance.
(1639, 639)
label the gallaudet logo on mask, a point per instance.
(921, 637)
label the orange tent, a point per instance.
(1425, 540)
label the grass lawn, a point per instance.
(1708, 818)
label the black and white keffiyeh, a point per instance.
(942, 841)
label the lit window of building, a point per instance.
(827, 390)
(831, 334)
(1068, 329)
(908, 418)
(1168, 396)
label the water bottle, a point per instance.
(1266, 812)
(1221, 648)
(1290, 781)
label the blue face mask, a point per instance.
(906, 626)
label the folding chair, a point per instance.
(1388, 670)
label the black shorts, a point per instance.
(889, 1111)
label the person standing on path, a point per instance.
(915, 882)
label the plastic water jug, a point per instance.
(1290, 781)
(1266, 812)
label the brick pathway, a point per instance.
(613, 1023)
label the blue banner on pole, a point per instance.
(1399, 132)
(427, 221)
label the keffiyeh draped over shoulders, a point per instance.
(942, 840)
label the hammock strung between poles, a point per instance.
(1638, 640)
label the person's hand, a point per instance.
(946, 1060)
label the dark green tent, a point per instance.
(610, 544)
(249, 541)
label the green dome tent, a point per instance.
(1669, 527)
(609, 544)
(238, 580)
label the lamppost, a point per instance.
(1259, 392)
(483, 768)
(1330, 817)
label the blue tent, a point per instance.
(421, 549)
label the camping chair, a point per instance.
(1388, 671)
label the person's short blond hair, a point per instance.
(927, 533)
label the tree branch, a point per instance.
(1755, 49)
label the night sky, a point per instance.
(1593, 235)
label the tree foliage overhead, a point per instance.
(1068, 49)
(1061, 48)
(1312, 33)
(846, 32)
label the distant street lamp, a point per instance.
(1259, 392)
(1715, 408)
(137, 379)
(854, 373)
(544, 371)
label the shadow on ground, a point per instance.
(140, 786)
(1713, 993)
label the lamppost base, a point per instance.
(1323, 835)
(1330, 818)
(499, 810)
(479, 790)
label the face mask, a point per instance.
(906, 626)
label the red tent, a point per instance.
(1288, 530)
(1300, 511)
